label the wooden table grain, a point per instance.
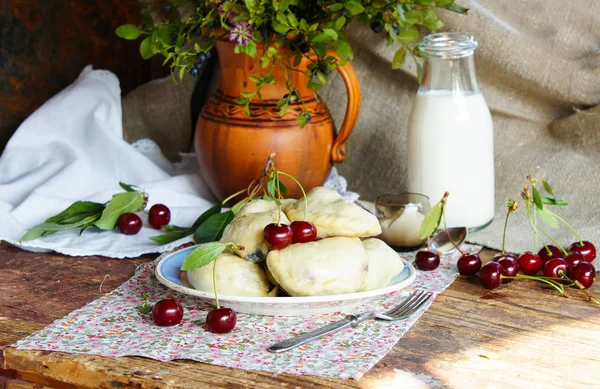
(522, 335)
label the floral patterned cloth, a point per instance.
(112, 326)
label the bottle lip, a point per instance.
(448, 45)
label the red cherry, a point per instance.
(159, 215)
(509, 268)
(221, 320)
(573, 259)
(530, 263)
(303, 232)
(469, 264)
(129, 223)
(549, 253)
(584, 272)
(510, 257)
(167, 312)
(277, 236)
(588, 250)
(500, 256)
(556, 267)
(427, 260)
(489, 275)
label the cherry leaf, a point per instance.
(145, 309)
(45, 229)
(120, 203)
(128, 188)
(203, 255)
(432, 221)
(168, 237)
(553, 201)
(547, 217)
(76, 212)
(212, 229)
(537, 199)
(548, 188)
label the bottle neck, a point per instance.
(449, 74)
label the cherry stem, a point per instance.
(236, 194)
(534, 238)
(278, 193)
(589, 296)
(570, 227)
(548, 280)
(534, 228)
(448, 233)
(215, 283)
(504, 234)
(303, 192)
(553, 241)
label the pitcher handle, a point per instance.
(338, 150)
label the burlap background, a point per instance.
(539, 67)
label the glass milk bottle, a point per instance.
(450, 134)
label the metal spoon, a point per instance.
(441, 243)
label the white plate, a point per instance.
(169, 274)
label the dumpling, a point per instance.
(257, 206)
(246, 228)
(333, 216)
(235, 277)
(324, 267)
(384, 264)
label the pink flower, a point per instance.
(230, 12)
(241, 33)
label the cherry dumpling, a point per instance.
(235, 277)
(324, 267)
(246, 228)
(334, 216)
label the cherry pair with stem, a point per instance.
(278, 235)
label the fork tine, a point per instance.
(413, 308)
(413, 296)
(414, 305)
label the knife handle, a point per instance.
(284, 345)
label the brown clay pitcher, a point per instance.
(232, 148)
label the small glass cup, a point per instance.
(400, 216)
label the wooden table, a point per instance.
(522, 335)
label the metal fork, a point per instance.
(401, 311)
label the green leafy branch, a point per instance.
(87, 214)
(301, 27)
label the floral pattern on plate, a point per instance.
(112, 326)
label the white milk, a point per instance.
(451, 148)
(403, 230)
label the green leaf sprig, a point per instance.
(432, 220)
(87, 214)
(313, 31)
(535, 205)
(536, 209)
(145, 308)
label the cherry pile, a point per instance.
(279, 236)
(574, 268)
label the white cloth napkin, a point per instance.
(71, 149)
